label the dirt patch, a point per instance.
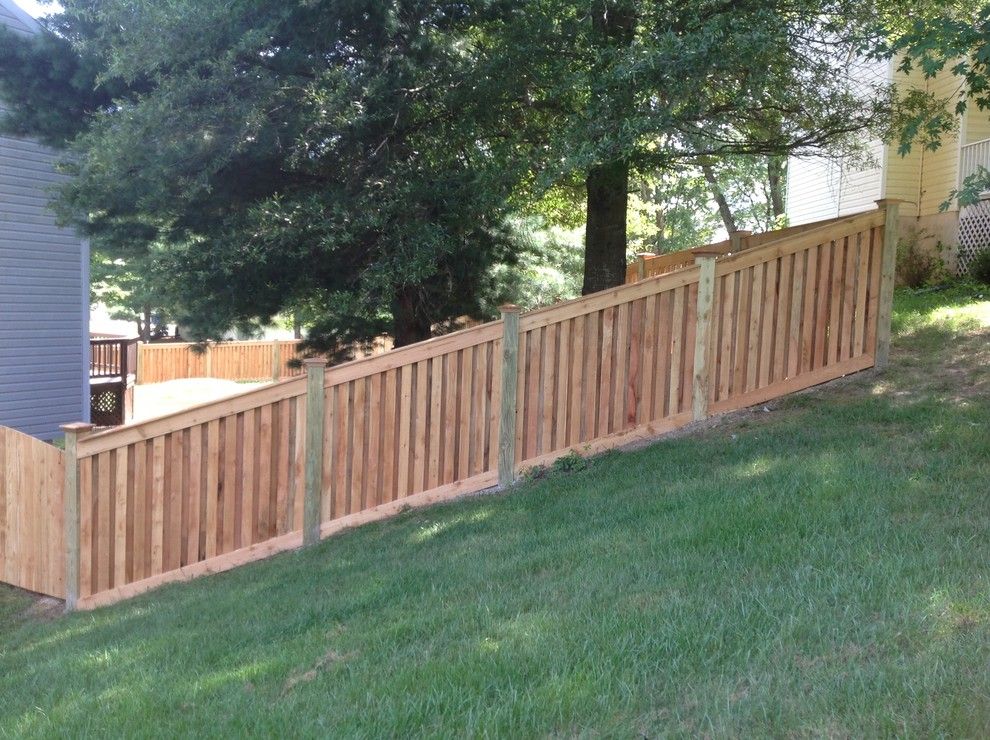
(329, 658)
(18, 606)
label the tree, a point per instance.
(130, 289)
(320, 153)
(625, 89)
(362, 158)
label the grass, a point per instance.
(821, 568)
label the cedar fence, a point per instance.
(230, 482)
(266, 360)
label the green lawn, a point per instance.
(819, 569)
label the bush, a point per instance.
(916, 266)
(979, 267)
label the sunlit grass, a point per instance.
(822, 569)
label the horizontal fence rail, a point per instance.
(232, 481)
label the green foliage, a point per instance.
(131, 289)
(917, 266)
(363, 159)
(979, 267)
(547, 268)
(669, 212)
(571, 462)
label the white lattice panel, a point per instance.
(974, 233)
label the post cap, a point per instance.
(884, 202)
(644, 255)
(77, 427)
(509, 308)
(706, 252)
(315, 362)
(741, 232)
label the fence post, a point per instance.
(891, 206)
(276, 362)
(507, 418)
(139, 364)
(70, 512)
(702, 337)
(209, 361)
(315, 405)
(641, 258)
(736, 239)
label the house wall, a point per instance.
(44, 297)
(940, 168)
(812, 189)
(977, 125)
(820, 188)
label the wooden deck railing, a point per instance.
(112, 358)
(233, 481)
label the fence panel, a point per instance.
(606, 368)
(794, 316)
(418, 419)
(168, 494)
(32, 551)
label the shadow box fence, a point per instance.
(226, 483)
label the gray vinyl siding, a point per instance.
(44, 295)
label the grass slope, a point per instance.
(819, 569)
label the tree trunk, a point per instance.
(296, 326)
(144, 327)
(723, 205)
(776, 171)
(411, 322)
(614, 22)
(605, 232)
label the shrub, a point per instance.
(572, 462)
(979, 267)
(916, 266)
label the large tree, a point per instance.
(629, 88)
(285, 153)
(361, 157)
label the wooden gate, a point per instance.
(32, 481)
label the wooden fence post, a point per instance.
(702, 336)
(641, 264)
(139, 364)
(70, 503)
(209, 361)
(315, 413)
(507, 418)
(736, 239)
(881, 357)
(276, 362)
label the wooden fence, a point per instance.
(32, 551)
(648, 264)
(270, 360)
(236, 480)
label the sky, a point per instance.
(36, 8)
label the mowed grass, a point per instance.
(818, 568)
